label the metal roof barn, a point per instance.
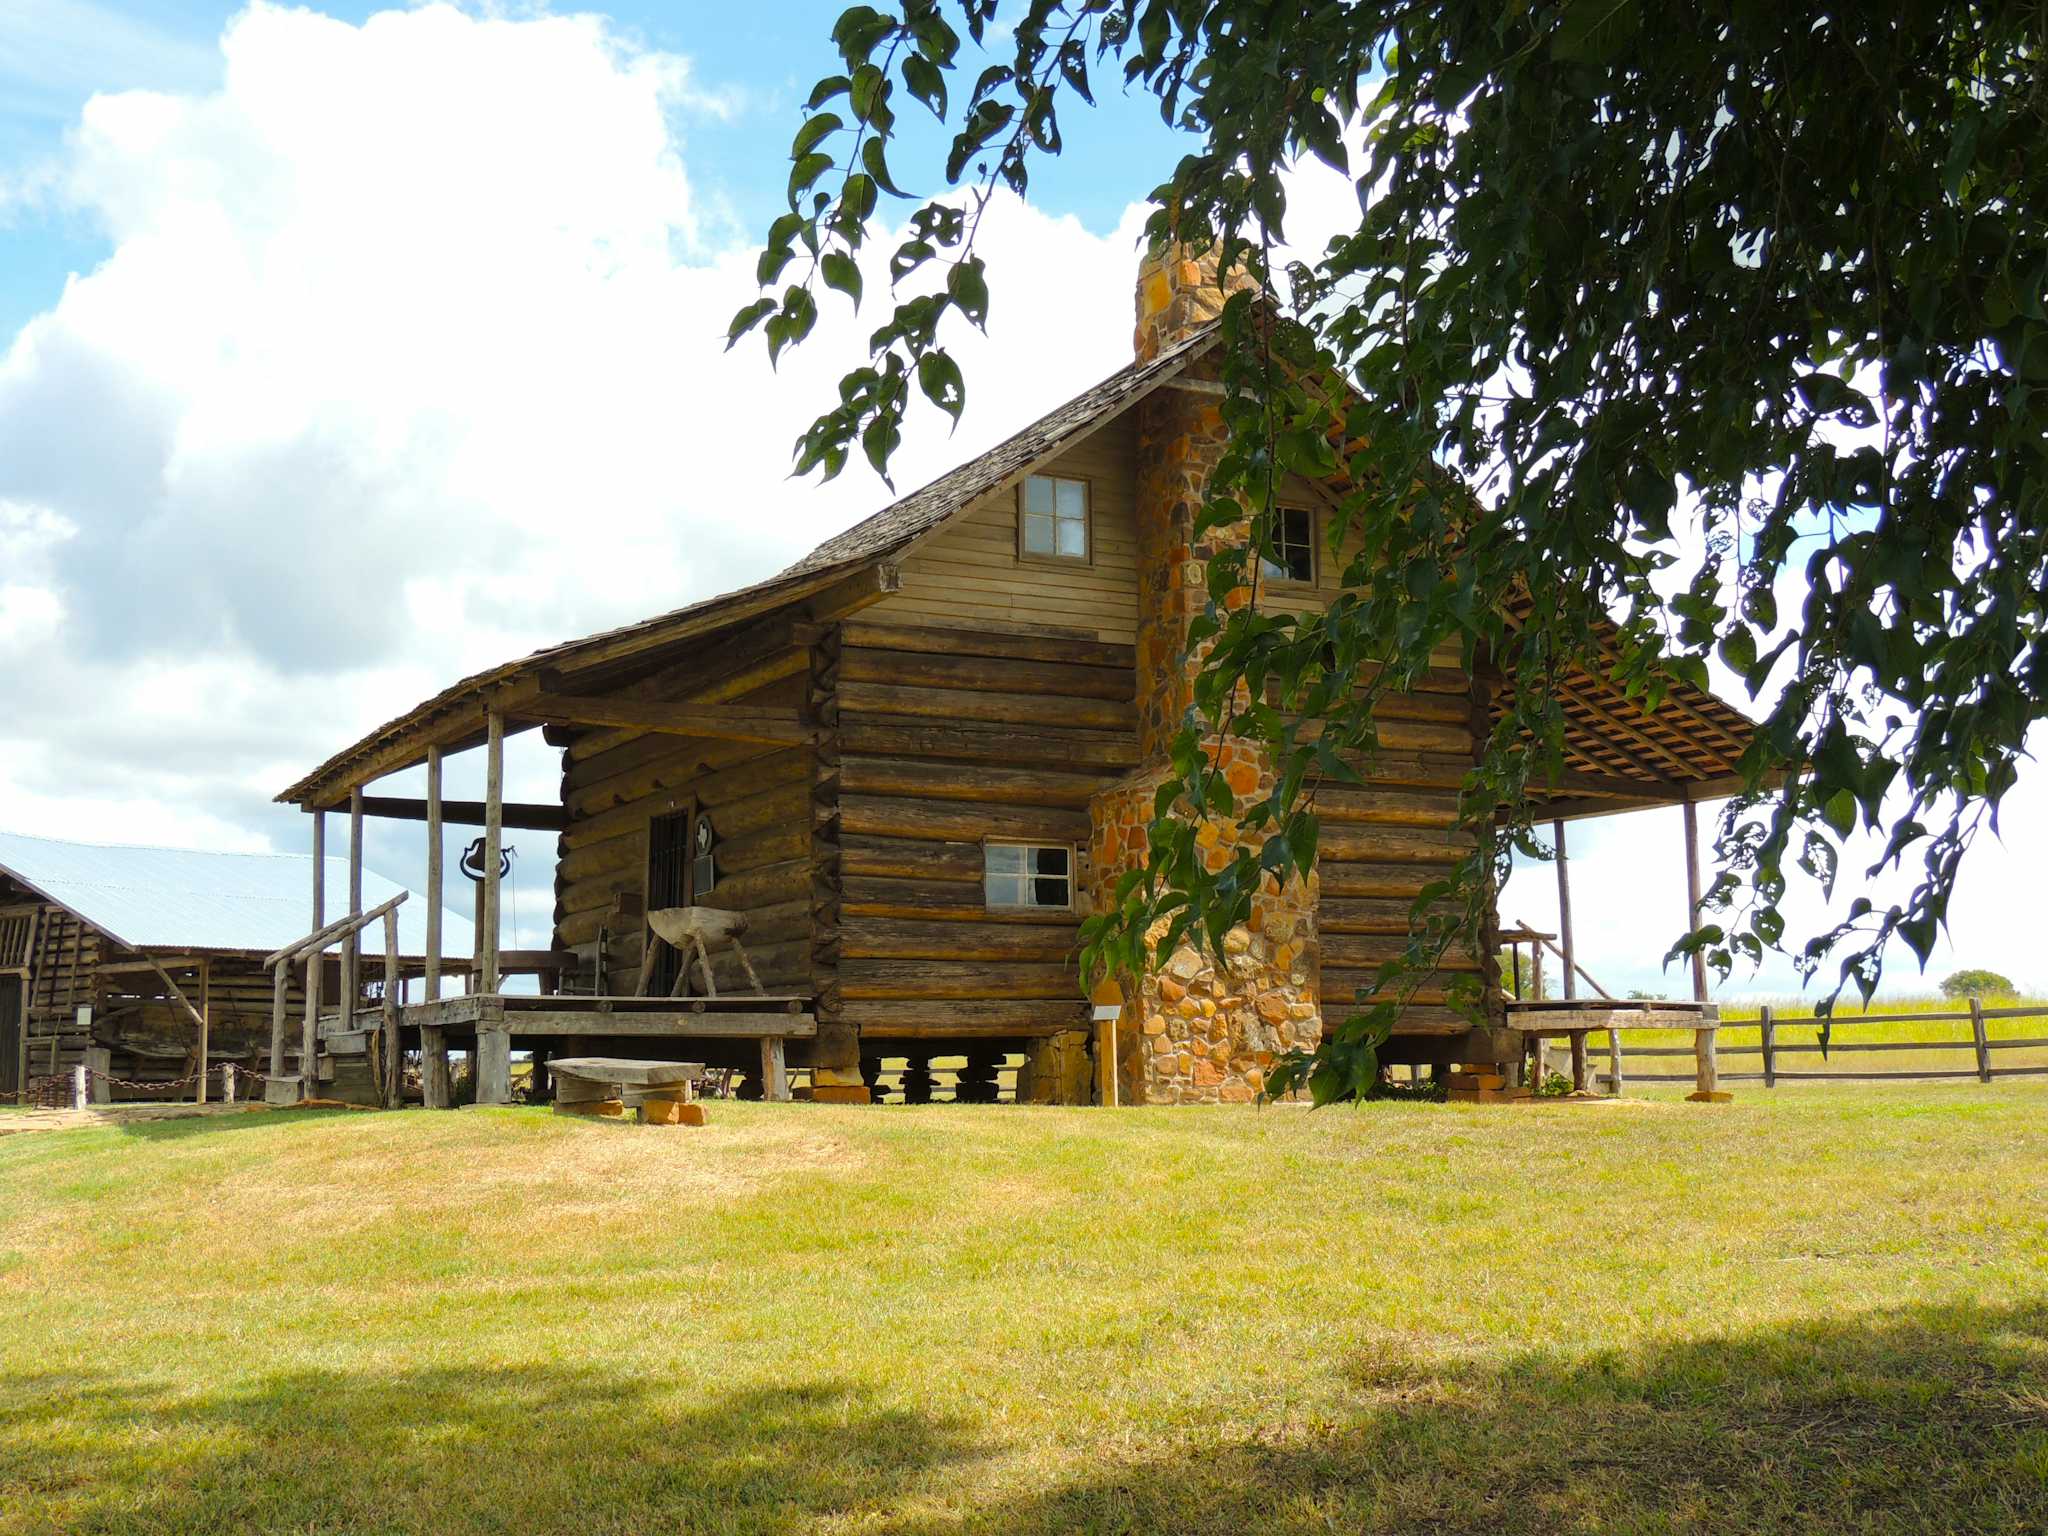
(197, 902)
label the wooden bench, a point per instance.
(1573, 1019)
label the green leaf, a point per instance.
(967, 284)
(841, 273)
(877, 164)
(925, 81)
(814, 129)
(750, 315)
(939, 377)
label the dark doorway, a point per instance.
(10, 1036)
(668, 885)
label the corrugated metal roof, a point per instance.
(191, 901)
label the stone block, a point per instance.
(841, 1093)
(670, 1112)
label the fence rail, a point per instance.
(1767, 1024)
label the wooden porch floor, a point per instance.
(737, 1017)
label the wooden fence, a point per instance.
(1768, 1023)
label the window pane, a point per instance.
(1038, 494)
(1073, 498)
(1038, 538)
(1073, 539)
(1020, 876)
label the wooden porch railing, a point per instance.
(309, 953)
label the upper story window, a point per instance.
(1293, 553)
(1028, 875)
(1052, 518)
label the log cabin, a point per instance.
(144, 965)
(916, 757)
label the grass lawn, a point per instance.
(1826, 1310)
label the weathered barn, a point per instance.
(141, 964)
(915, 757)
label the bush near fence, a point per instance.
(1903, 1039)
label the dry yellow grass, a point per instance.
(1826, 1310)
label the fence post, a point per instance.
(1767, 1031)
(80, 1090)
(227, 1082)
(1977, 1037)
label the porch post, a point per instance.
(280, 991)
(433, 956)
(1692, 896)
(1564, 915)
(352, 945)
(433, 1038)
(309, 1039)
(205, 1025)
(494, 843)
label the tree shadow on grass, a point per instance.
(246, 1117)
(1922, 1419)
(513, 1449)
(1929, 1419)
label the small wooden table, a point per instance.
(583, 1080)
(1575, 1018)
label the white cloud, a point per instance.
(408, 358)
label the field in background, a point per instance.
(1825, 1310)
(1795, 1026)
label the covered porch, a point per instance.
(640, 712)
(1621, 758)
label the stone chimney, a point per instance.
(1199, 1028)
(1179, 293)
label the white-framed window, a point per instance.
(1293, 555)
(1028, 875)
(1052, 518)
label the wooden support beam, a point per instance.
(434, 1085)
(280, 992)
(525, 816)
(393, 1078)
(309, 1037)
(179, 997)
(351, 944)
(1692, 898)
(1566, 952)
(436, 859)
(494, 847)
(774, 1071)
(205, 1026)
(493, 1066)
(725, 722)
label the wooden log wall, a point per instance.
(63, 959)
(1382, 842)
(947, 737)
(614, 782)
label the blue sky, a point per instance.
(763, 59)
